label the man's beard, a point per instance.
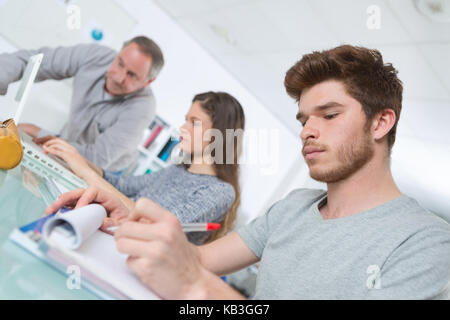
(351, 157)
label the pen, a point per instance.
(188, 227)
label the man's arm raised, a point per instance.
(58, 63)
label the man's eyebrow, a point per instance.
(130, 71)
(322, 107)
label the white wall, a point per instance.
(189, 70)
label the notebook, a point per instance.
(72, 238)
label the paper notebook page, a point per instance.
(100, 255)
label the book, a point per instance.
(153, 136)
(165, 152)
(72, 238)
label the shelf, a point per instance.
(161, 163)
(148, 157)
(144, 151)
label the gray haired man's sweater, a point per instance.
(104, 129)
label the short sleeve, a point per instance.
(418, 269)
(256, 233)
(285, 211)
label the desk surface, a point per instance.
(24, 195)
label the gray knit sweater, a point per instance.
(191, 197)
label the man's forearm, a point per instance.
(58, 63)
(12, 66)
(211, 287)
(226, 255)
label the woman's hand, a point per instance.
(117, 212)
(77, 163)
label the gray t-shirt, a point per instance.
(191, 197)
(397, 250)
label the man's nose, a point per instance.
(120, 76)
(309, 131)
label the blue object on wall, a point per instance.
(97, 34)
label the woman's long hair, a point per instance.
(226, 113)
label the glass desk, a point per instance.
(25, 192)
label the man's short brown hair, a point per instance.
(366, 78)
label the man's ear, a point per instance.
(383, 123)
(148, 82)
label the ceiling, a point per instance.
(258, 40)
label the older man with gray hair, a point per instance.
(112, 102)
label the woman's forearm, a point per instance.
(97, 170)
(95, 180)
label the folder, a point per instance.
(103, 269)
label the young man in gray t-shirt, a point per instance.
(360, 239)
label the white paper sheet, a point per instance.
(72, 228)
(97, 251)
